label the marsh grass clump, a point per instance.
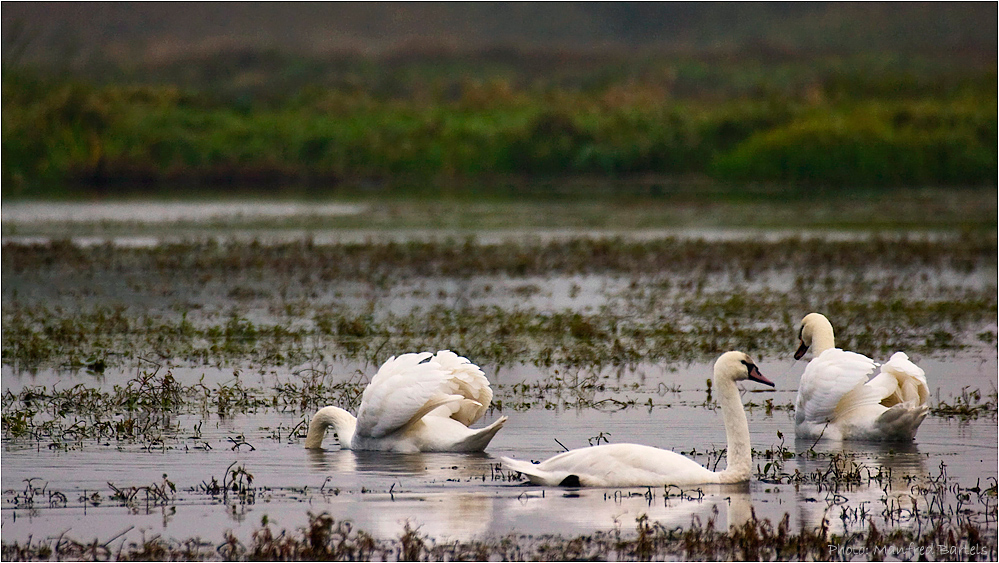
(155, 494)
(322, 539)
(969, 405)
(26, 498)
(236, 486)
(145, 408)
(325, 538)
(316, 386)
(142, 409)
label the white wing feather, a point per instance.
(402, 387)
(827, 379)
(411, 386)
(909, 378)
(466, 379)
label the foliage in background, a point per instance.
(453, 117)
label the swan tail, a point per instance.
(900, 422)
(535, 474)
(910, 378)
(466, 379)
(450, 403)
(479, 439)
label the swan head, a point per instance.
(343, 424)
(814, 325)
(738, 366)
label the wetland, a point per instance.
(160, 366)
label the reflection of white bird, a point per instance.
(836, 400)
(633, 465)
(415, 403)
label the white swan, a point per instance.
(633, 465)
(838, 401)
(415, 403)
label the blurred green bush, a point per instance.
(787, 127)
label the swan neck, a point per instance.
(343, 424)
(739, 458)
(822, 338)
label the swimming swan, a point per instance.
(836, 400)
(633, 465)
(415, 403)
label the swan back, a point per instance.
(411, 386)
(615, 465)
(827, 380)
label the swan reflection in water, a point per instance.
(556, 510)
(392, 499)
(900, 465)
(439, 466)
(431, 491)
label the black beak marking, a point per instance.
(801, 351)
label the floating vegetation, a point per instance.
(155, 494)
(145, 408)
(668, 300)
(969, 405)
(142, 410)
(391, 261)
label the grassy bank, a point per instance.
(358, 124)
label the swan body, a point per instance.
(415, 403)
(838, 399)
(633, 465)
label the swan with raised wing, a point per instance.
(418, 402)
(838, 400)
(634, 465)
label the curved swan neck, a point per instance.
(822, 334)
(739, 458)
(343, 424)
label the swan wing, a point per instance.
(909, 379)
(405, 389)
(464, 379)
(828, 379)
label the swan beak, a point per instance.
(755, 375)
(801, 351)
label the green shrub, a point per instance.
(935, 147)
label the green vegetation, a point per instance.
(397, 125)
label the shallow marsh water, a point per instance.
(467, 497)
(49, 485)
(458, 496)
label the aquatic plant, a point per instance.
(326, 538)
(969, 405)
